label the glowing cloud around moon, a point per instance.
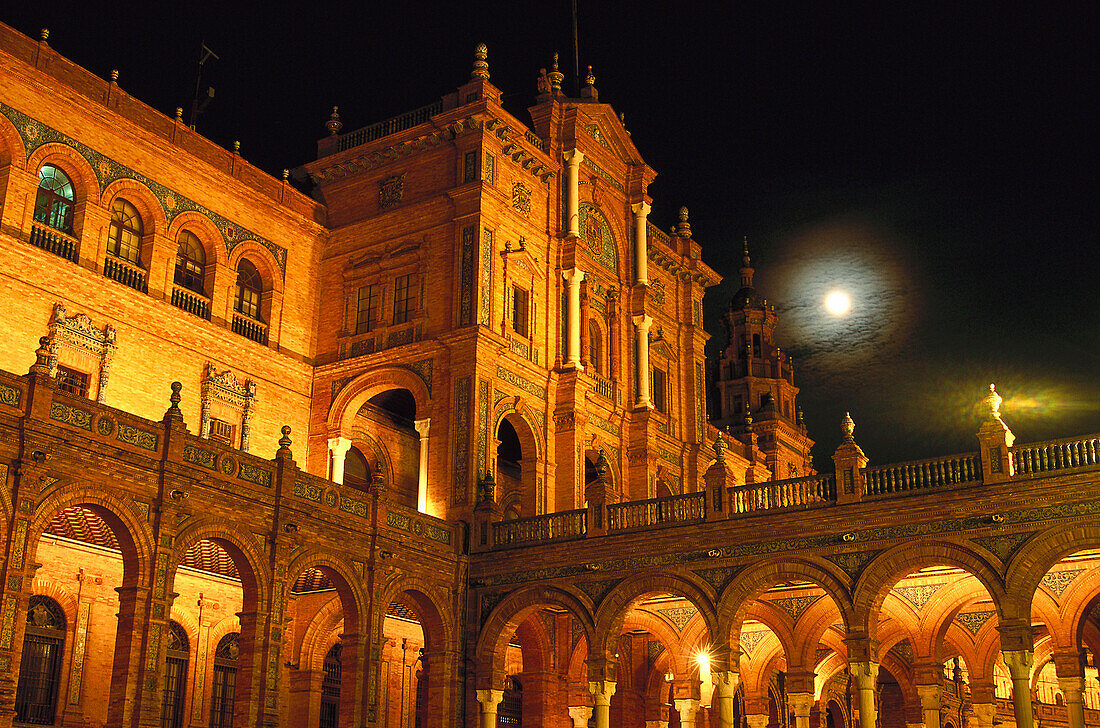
(838, 303)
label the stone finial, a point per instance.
(174, 412)
(745, 261)
(284, 441)
(720, 448)
(683, 228)
(377, 480)
(848, 426)
(748, 421)
(556, 77)
(236, 147)
(114, 76)
(543, 82)
(44, 35)
(179, 114)
(481, 66)
(993, 403)
(589, 90)
(602, 466)
(42, 356)
(286, 175)
(334, 125)
(590, 78)
(486, 490)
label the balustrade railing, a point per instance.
(250, 329)
(390, 126)
(604, 386)
(535, 141)
(125, 273)
(684, 508)
(53, 241)
(920, 474)
(1074, 452)
(776, 494)
(191, 302)
(550, 527)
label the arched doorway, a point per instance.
(223, 691)
(40, 666)
(390, 417)
(175, 677)
(517, 465)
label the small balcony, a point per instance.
(250, 328)
(193, 303)
(53, 241)
(125, 273)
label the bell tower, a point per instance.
(756, 391)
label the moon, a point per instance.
(838, 303)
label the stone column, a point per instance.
(1019, 666)
(641, 332)
(687, 708)
(602, 691)
(580, 714)
(725, 686)
(641, 243)
(982, 715)
(930, 703)
(758, 720)
(800, 704)
(489, 700)
(572, 193)
(1074, 689)
(422, 482)
(865, 675)
(338, 447)
(573, 278)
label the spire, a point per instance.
(746, 267)
(334, 125)
(556, 77)
(481, 66)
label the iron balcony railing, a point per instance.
(390, 126)
(125, 273)
(53, 241)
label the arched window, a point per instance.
(40, 667)
(225, 681)
(175, 677)
(190, 262)
(595, 347)
(357, 473)
(330, 689)
(250, 288)
(53, 206)
(124, 238)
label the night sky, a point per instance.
(931, 159)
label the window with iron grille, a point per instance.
(510, 712)
(40, 665)
(330, 689)
(368, 308)
(53, 205)
(221, 431)
(72, 381)
(405, 290)
(521, 301)
(175, 677)
(225, 681)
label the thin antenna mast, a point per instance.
(576, 52)
(205, 54)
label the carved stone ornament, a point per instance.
(521, 199)
(79, 333)
(390, 191)
(224, 387)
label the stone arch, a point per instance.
(186, 619)
(342, 576)
(632, 590)
(60, 594)
(612, 228)
(1031, 563)
(72, 163)
(939, 615)
(737, 598)
(531, 449)
(205, 230)
(779, 624)
(242, 548)
(375, 448)
(535, 644)
(12, 149)
(882, 573)
(264, 261)
(510, 613)
(529, 433)
(131, 529)
(315, 638)
(355, 394)
(141, 197)
(228, 624)
(664, 633)
(437, 619)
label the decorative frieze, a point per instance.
(224, 392)
(80, 336)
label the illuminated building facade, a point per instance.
(440, 455)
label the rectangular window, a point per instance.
(221, 431)
(72, 381)
(738, 405)
(469, 166)
(367, 308)
(405, 290)
(521, 300)
(660, 390)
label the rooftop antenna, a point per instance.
(576, 52)
(197, 108)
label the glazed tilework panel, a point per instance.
(107, 170)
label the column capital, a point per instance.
(864, 673)
(641, 209)
(573, 157)
(800, 704)
(573, 276)
(983, 714)
(725, 682)
(339, 445)
(642, 322)
(758, 720)
(580, 715)
(1019, 663)
(929, 695)
(422, 426)
(687, 707)
(602, 690)
(489, 699)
